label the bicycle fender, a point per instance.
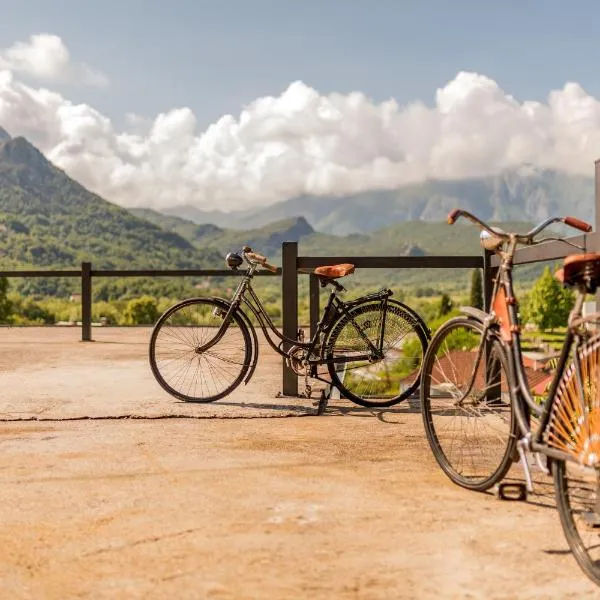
(474, 313)
(254, 344)
(416, 316)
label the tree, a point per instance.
(34, 313)
(5, 304)
(476, 299)
(141, 311)
(549, 303)
(445, 305)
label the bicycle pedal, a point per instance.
(591, 520)
(515, 492)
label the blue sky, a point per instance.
(216, 57)
(211, 59)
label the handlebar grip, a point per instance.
(577, 224)
(261, 260)
(453, 216)
(269, 267)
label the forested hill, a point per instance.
(47, 219)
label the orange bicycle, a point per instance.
(478, 410)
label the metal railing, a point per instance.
(292, 263)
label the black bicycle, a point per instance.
(482, 408)
(201, 349)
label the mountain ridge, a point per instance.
(47, 218)
(523, 194)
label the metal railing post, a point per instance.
(289, 309)
(86, 302)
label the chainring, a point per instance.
(297, 360)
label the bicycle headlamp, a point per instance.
(233, 260)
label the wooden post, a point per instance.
(289, 309)
(314, 308)
(489, 274)
(86, 302)
(594, 244)
(595, 240)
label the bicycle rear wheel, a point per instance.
(393, 378)
(195, 376)
(578, 502)
(472, 435)
(574, 429)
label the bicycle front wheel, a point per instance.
(466, 406)
(402, 337)
(182, 368)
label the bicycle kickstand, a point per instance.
(517, 490)
(323, 401)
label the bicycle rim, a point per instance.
(577, 500)
(472, 436)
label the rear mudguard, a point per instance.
(475, 313)
(225, 304)
(416, 317)
(482, 317)
(418, 321)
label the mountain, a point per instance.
(524, 194)
(234, 220)
(266, 239)
(414, 238)
(48, 219)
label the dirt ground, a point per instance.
(110, 488)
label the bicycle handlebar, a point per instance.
(524, 238)
(257, 259)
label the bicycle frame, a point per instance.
(503, 319)
(334, 310)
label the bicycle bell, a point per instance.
(233, 260)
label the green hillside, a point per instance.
(415, 238)
(49, 220)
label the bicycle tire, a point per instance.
(192, 340)
(573, 429)
(407, 322)
(591, 567)
(457, 361)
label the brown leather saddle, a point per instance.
(581, 269)
(334, 271)
(329, 273)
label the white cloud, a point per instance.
(46, 58)
(304, 142)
